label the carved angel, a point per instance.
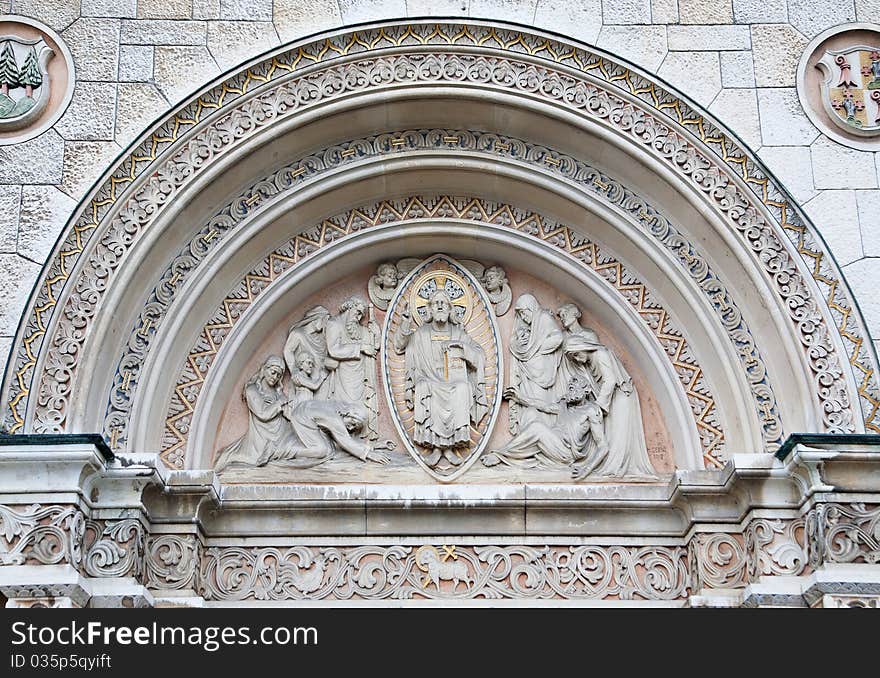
(495, 283)
(382, 285)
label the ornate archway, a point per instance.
(283, 186)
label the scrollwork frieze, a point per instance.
(114, 548)
(172, 561)
(444, 572)
(776, 547)
(844, 533)
(717, 560)
(45, 535)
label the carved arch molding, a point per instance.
(404, 139)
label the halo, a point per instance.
(456, 288)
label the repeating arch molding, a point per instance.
(321, 146)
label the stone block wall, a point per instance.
(136, 59)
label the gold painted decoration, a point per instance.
(451, 284)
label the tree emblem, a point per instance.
(24, 80)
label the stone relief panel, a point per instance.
(571, 399)
(172, 561)
(567, 405)
(55, 534)
(604, 187)
(602, 104)
(844, 533)
(632, 291)
(37, 534)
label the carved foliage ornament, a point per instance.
(444, 572)
(240, 124)
(41, 534)
(54, 534)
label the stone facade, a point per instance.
(218, 187)
(170, 539)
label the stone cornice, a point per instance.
(129, 532)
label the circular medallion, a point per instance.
(36, 78)
(839, 84)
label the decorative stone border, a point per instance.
(446, 572)
(149, 533)
(565, 87)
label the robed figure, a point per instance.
(577, 434)
(627, 452)
(353, 346)
(306, 337)
(445, 384)
(535, 346)
(296, 433)
(269, 434)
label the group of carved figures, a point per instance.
(332, 401)
(571, 402)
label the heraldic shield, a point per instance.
(24, 81)
(851, 88)
(442, 365)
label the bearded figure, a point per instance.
(354, 345)
(445, 381)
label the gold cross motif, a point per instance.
(145, 330)
(449, 552)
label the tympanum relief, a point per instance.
(537, 396)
